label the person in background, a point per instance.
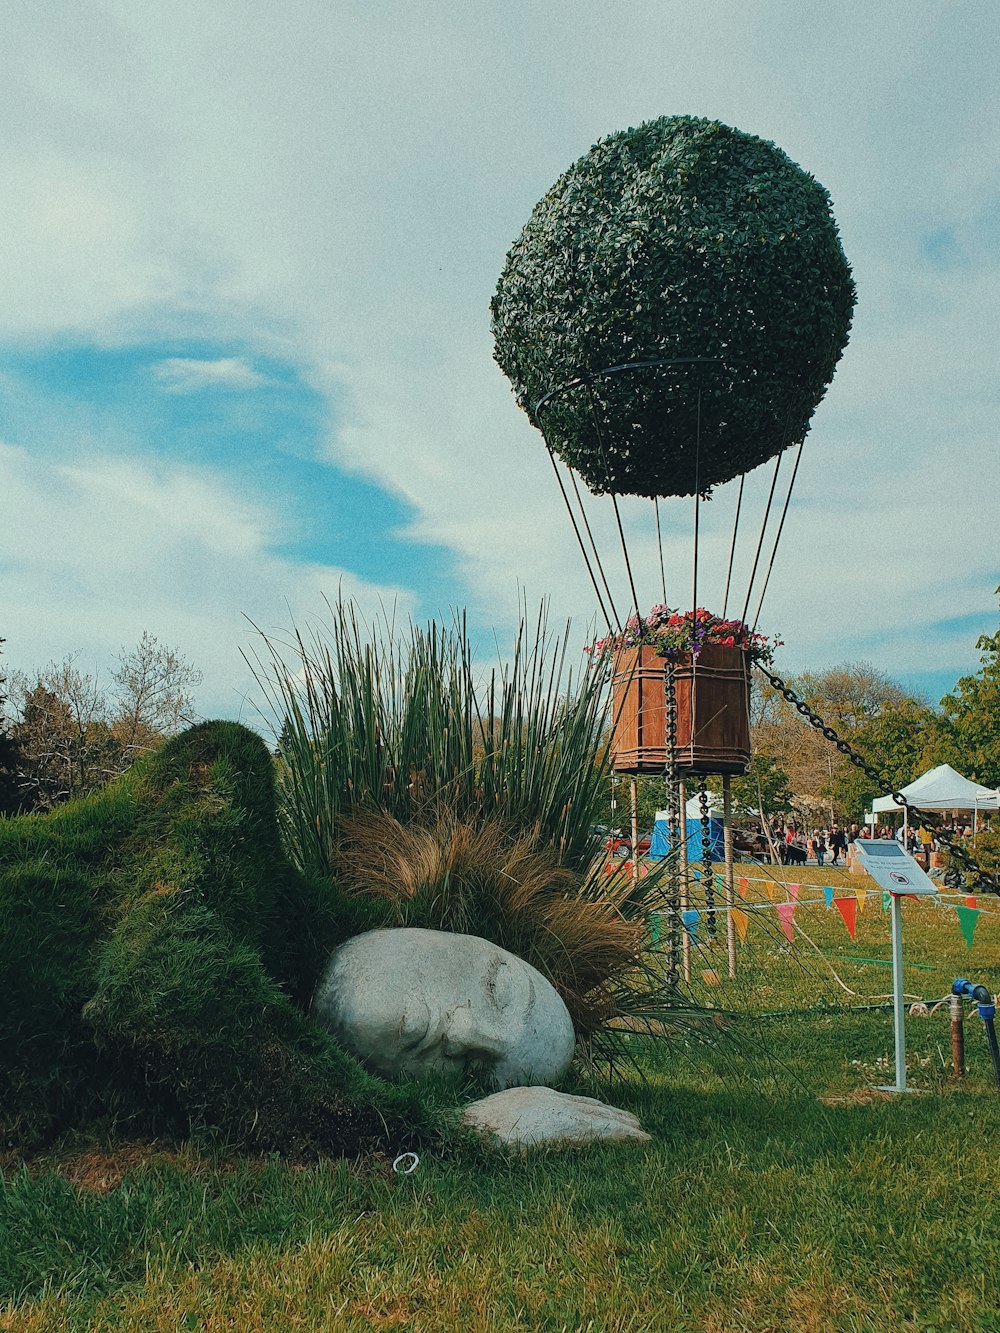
(926, 845)
(838, 843)
(819, 843)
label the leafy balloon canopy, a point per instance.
(681, 239)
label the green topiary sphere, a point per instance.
(682, 238)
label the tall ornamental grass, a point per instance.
(457, 799)
(404, 723)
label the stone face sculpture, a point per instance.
(408, 1002)
(522, 1117)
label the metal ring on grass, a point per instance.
(411, 1158)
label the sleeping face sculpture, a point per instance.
(408, 1002)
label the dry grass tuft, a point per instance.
(482, 879)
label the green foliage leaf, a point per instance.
(683, 238)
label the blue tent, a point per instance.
(659, 845)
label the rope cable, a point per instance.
(659, 543)
(595, 415)
(593, 544)
(732, 549)
(777, 538)
(760, 543)
(583, 549)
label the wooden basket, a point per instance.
(713, 711)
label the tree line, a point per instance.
(64, 732)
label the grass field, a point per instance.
(779, 1191)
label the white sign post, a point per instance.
(895, 872)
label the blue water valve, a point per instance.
(979, 993)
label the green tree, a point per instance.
(968, 733)
(900, 741)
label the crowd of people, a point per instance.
(828, 846)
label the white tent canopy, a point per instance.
(942, 789)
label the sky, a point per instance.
(245, 350)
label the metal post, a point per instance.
(680, 797)
(633, 792)
(727, 826)
(957, 1014)
(898, 1009)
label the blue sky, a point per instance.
(245, 356)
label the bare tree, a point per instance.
(73, 735)
(155, 697)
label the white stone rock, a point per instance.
(408, 1002)
(522, 1117)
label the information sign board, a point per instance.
(893, 869)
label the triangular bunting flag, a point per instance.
(654, 927)
(886, 899)
(710, 977)
(827, 895)
(769, 886)
(742, 886)
(848, 909)
(786, 915)
(793, 892)
(740, 920)
(690, 919)
(860, 896)
(970, 901)
(967, 918)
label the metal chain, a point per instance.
(674, 819)
(707, 867)
(987, 880)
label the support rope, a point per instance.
(595, 415)
(583, 549)
(732, 549)
(593, 545)
(777, 538)
(760, 543)
(659, 543)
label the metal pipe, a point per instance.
(957, 1015)
(727, 826)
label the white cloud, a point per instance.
(181, 374)
(342, 183)
(92, 554)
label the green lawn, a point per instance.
(779, 1192)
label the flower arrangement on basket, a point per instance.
(674, 634)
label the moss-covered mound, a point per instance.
(159, 952)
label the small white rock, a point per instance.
(522, 1117)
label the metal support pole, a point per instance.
(680, 796)
(957, 1015)
(727, 817)
(634, 793)
(898, 1007)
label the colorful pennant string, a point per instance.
(793, 892)
(967, 918)
(786, 915)
(828, 895)
(743, 886)
(885, 902)
(970, 901)
(848, 909)
(860, 896)
(740, 920)
(691, 917)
